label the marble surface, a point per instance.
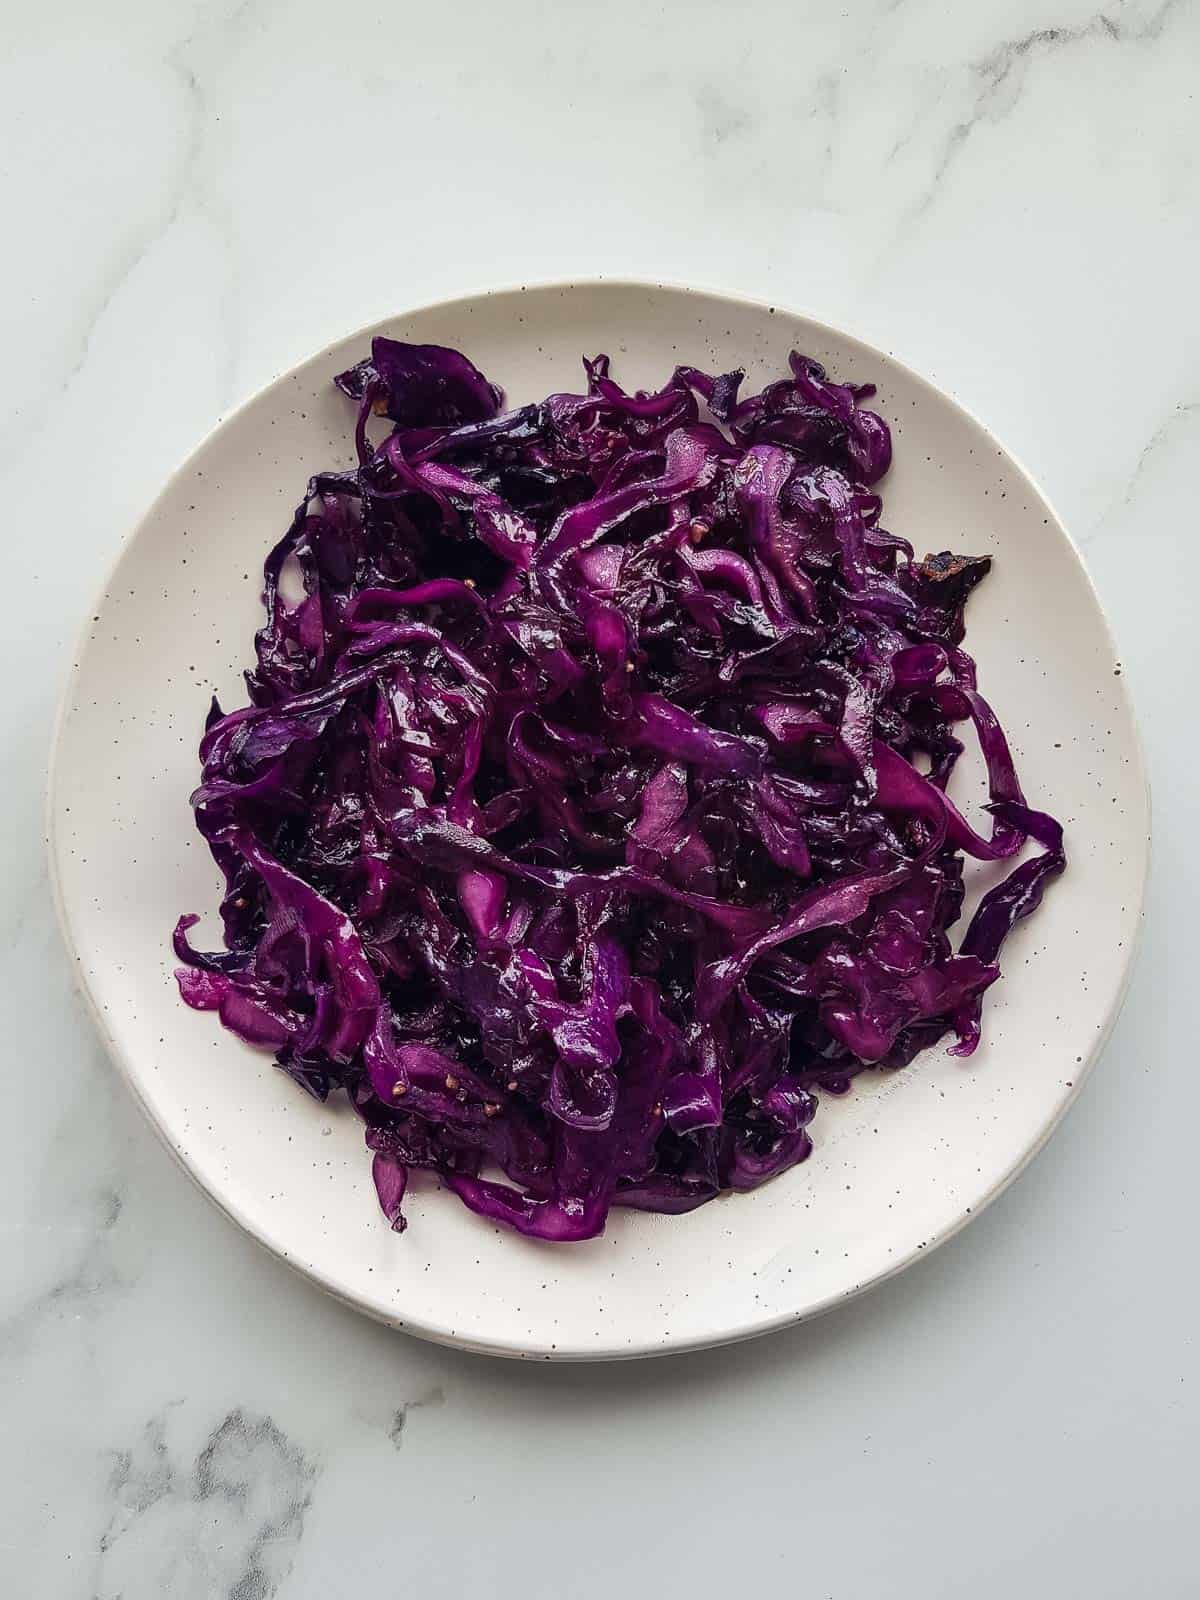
(1006, 194)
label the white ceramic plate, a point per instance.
(899, 1164)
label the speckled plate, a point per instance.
(900, 1164)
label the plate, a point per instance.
(900, 1164)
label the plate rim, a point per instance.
(664, 1344)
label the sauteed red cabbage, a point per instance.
(588, 816)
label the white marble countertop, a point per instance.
(197, 194)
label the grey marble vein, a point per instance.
(1181, 417)
(89, 1272)
(434, 1398)
(214, 36)
(225, 1524)
(996, 79)
(721, 118)
(1156, 451)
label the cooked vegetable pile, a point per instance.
(589, 813)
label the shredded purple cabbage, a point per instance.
(589, 812)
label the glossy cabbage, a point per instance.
(588, 814)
